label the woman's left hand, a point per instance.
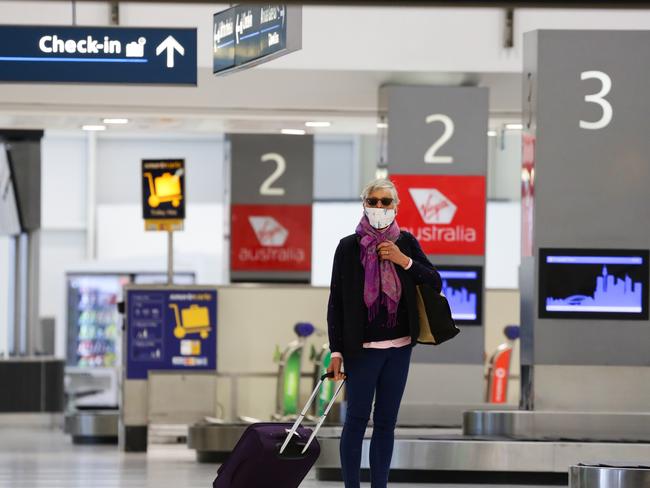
(388, 251)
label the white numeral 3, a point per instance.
(599, 99)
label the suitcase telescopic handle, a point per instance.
(299, 420)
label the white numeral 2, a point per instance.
(430, 156)
(265, 188)
(599, 99)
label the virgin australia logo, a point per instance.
(269, 231)
(434, 207)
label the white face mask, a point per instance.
(380, 217)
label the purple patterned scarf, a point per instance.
(380, 276)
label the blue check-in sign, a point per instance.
(98, 55)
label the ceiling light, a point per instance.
(318, 124)
(381, 173)
(115, 121)
(91, 127)
(293, 132)
(382, 125)
(514, 126)
(492, 133)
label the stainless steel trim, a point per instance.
(544, 425)
(475, 455)
(609, 477)
(421, 414)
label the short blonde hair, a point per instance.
(380, 184)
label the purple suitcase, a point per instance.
(272, 454)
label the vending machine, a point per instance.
(94, 345)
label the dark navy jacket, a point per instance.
(347, 312)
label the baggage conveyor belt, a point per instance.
(533, 446)
(446, 455)
(465, 453)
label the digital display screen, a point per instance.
(223, 52)
(246, 33)
(463, 287)
(272, 29)
(593, 284)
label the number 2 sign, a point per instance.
(271, 169)
(436, 129)
(270, 214)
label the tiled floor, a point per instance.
(39, 458)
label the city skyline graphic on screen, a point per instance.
(463, 288)
(604, 284)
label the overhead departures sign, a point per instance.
(247, 35)
(98, 55)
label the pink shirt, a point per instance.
(399, 342)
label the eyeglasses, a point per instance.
(372, 202)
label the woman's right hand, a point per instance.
(335, 367)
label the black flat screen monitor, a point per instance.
(593, 284)
(463, 287)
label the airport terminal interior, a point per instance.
(176, 178)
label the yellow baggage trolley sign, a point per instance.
(170, 328)
(163, 194)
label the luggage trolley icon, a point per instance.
(165, 188)
(196, 320)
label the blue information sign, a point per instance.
(246, 35)
(98, 55)
(224, 40)
(170, 329)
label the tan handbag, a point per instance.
(436, 322)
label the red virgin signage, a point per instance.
(271, 238)
(445, 213)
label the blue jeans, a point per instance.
(380, 373)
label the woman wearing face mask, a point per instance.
(373, 324)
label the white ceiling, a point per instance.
(258, 100)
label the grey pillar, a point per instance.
(24, 151)
(434, 144)
(33, 334)
(586, 111)
(13, 345)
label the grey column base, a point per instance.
(609, 476)
(135, 438)
(93, 427)
(213, 443)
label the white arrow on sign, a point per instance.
(170, 45)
